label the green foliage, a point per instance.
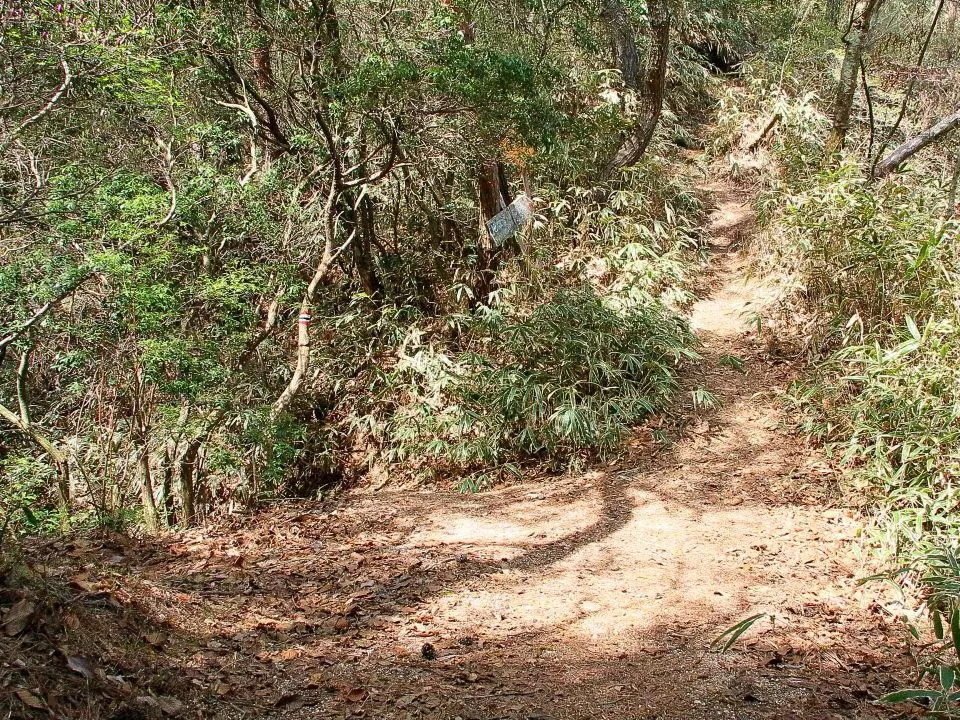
(25, 502)
(870, 254)
(872, 271)
(868, 273)
(867, 269)
(728, 638)
(569, 378)
(174, 202)
(733, 361)
(890, 413)
(576, 373)
(795, 142)
(937, 577)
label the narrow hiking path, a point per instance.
(588, 597)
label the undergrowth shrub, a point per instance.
(743, 112)
(567, 379)
(868, 273)
(935, 579)
(890, 413)
(636, 246)
(865, 255)
(584, 341)
(873, 271)
(24, 484)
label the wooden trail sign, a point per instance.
(505, 224)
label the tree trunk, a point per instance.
(622, 42)
(166, 489)
(917, 143)
(261, 62)
(142, 397)
(360, 218)
(859, 36)
(306, 304)
(494, 196)
(952, 194)
(150, 514)
(950, 51)
(188, 468)
(653, 84)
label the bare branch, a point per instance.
(917, 143)
(22, 369)
(254, 125)
(40, 439)
(167, 148)
(54, 99)
(42, 312)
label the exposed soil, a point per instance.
(586, 597)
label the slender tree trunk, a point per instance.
(372, 284)
(150, 514)
(188, 469)
(360, 216)
(306, 304)
(764, 133)
(494, 196)
(857, 43)
(623, 41)
(917, 143)
(261, 62)
(653, 83)
(908, 94)
(260, 58)
(951, 31)
(952, 194)
(23, 422)
(166, 489)
(142, 396)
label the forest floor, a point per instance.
(580, 598)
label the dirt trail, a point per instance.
(589, 597)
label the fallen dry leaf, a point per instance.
(19, 617)
(169, 706)
(82, 583)
(405, 701)
(81, 665)
(286, 699)
(355, 695)
(316, 680)
(29, 699)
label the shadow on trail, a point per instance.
(615, 513)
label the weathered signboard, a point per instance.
(505, 224)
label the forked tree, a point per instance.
(648, 84)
